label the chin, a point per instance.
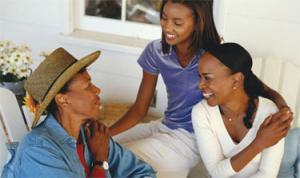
(211, 103)
(172, 42)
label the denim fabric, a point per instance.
(48, 151)
(290, 164)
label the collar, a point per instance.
(58, 132)
(172, 52)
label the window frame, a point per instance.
(114, 26)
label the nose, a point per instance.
(201, 84)
(97, 90)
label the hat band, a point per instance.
(56, 79)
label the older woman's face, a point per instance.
(83, 96)
(216, 83)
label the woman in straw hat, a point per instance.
(59, 146)
(235, 136)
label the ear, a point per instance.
(238, 79)
(61, 99)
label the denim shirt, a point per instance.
(290, 164)
(49, 151)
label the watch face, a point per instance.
(105, 165)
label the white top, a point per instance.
(216, 147)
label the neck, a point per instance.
(237, 105)
(183, 49)
(70, 123)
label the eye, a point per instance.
(163, 17)
(178, 23)
(89, 86)
(207, 78)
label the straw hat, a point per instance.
(51, 75)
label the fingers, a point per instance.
(87, 129)
(103, 129)
(95, 125)
(267, 121)
(286, 112)
(283, 117)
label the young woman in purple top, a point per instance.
(169, 145)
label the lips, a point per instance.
(98, 101)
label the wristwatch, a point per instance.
(103, 164)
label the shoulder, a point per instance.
(202, 112)
(200, 106)
(265, 108)
(203, 106)
(154, 46)
(38, 137)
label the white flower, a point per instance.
(27, 59)
(4, 45)
(14, 60)
(22, 72)
(2, 58)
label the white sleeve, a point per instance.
(270, 161)
(270, 157)
(209, 146)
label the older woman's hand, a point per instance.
(98, 140)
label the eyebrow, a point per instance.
(176, 18)
(206, 73)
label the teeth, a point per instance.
(170, 36)
(207, 95)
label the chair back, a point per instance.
(3, 150)
(11, 116)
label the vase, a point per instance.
(16, 87)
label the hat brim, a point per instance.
(61, 81)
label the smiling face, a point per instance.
(82, 96)
(177, 23)
(216, 81)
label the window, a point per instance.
(134, 18)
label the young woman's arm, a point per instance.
(274, 96)
(140, 108)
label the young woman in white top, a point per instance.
(235, 135)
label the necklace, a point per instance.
(227, 117)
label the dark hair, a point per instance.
(237, 59)
(205, 33)
(52, 107)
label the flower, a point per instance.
(15, 62)
(30, 103)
